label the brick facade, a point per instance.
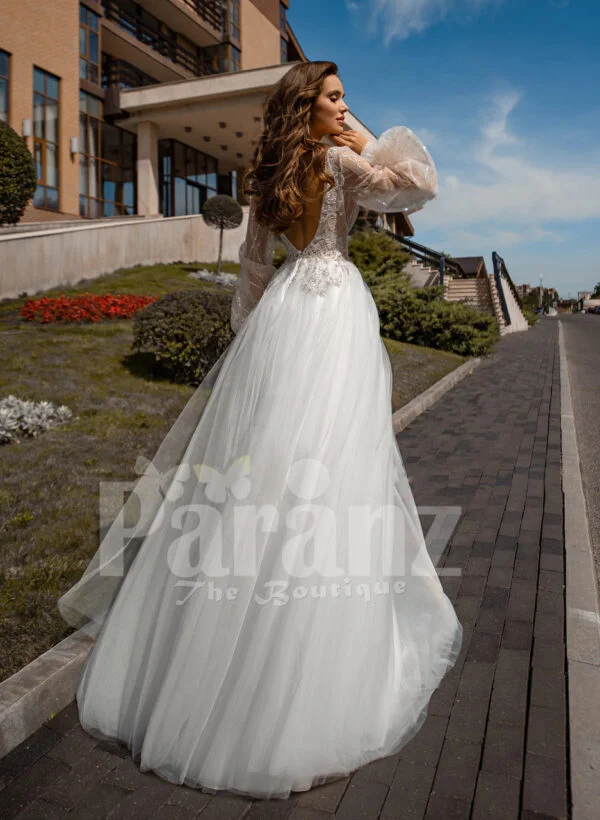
(45, 34)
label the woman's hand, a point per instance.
(353, 139)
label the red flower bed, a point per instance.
(87, 307)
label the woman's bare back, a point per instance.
(302, 231)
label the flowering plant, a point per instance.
(84, 307)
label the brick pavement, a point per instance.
(494, 744)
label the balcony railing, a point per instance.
(146, 29)
(122, 74)
(210, 10)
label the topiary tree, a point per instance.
(17, 175)
(223, 212)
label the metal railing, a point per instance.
(122, 74)
(428, 256)
(127, 15)
(210, 10)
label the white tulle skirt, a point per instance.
(281, 623)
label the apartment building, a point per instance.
(138, 107)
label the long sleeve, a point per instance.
(394, 173)
(256, 270)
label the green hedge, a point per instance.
(185, 331)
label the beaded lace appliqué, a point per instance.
(322, 252)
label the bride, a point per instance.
(267, 617)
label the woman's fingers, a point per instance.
(352, 139)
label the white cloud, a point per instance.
(522, 191)
(399, 19)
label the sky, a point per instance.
(505, 94)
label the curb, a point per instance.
(403, 417)
(582, 616)
(41, 689)
(47, 685)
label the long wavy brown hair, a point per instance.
(286, 155)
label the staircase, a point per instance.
(513, 302)
(497, 307)
(467, 280)
(475, 292)
(422, 275)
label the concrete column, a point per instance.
(147, 169)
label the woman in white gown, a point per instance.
(272, 620)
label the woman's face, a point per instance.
(327, 115)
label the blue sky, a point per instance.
(505, 95)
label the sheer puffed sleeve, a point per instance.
(394, 173)
(256, 270)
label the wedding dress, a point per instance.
(271, 619)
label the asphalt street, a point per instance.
(582, 342)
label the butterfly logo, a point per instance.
(171, 479)
(235, 478)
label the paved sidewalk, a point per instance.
(494, 744)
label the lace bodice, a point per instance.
(394, 173)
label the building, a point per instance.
(136, 112)
(144, 107)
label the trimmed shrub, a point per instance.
(421, 316)
(185, 331)
(17, 175)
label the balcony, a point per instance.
(211, 11)
(121, 74)
(201, 20)
(134, 36)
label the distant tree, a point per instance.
(596, 293)
(222, 212)
(17, 175)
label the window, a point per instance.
(283, 44)
(187, 178)
(235, 58)
(89, 51)
(45, 138)
(106, 163)
(234, 19)
(4, 58)
(122, 74)
(90, 119)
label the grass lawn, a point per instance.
(49, 490)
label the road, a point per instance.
(582, 342)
